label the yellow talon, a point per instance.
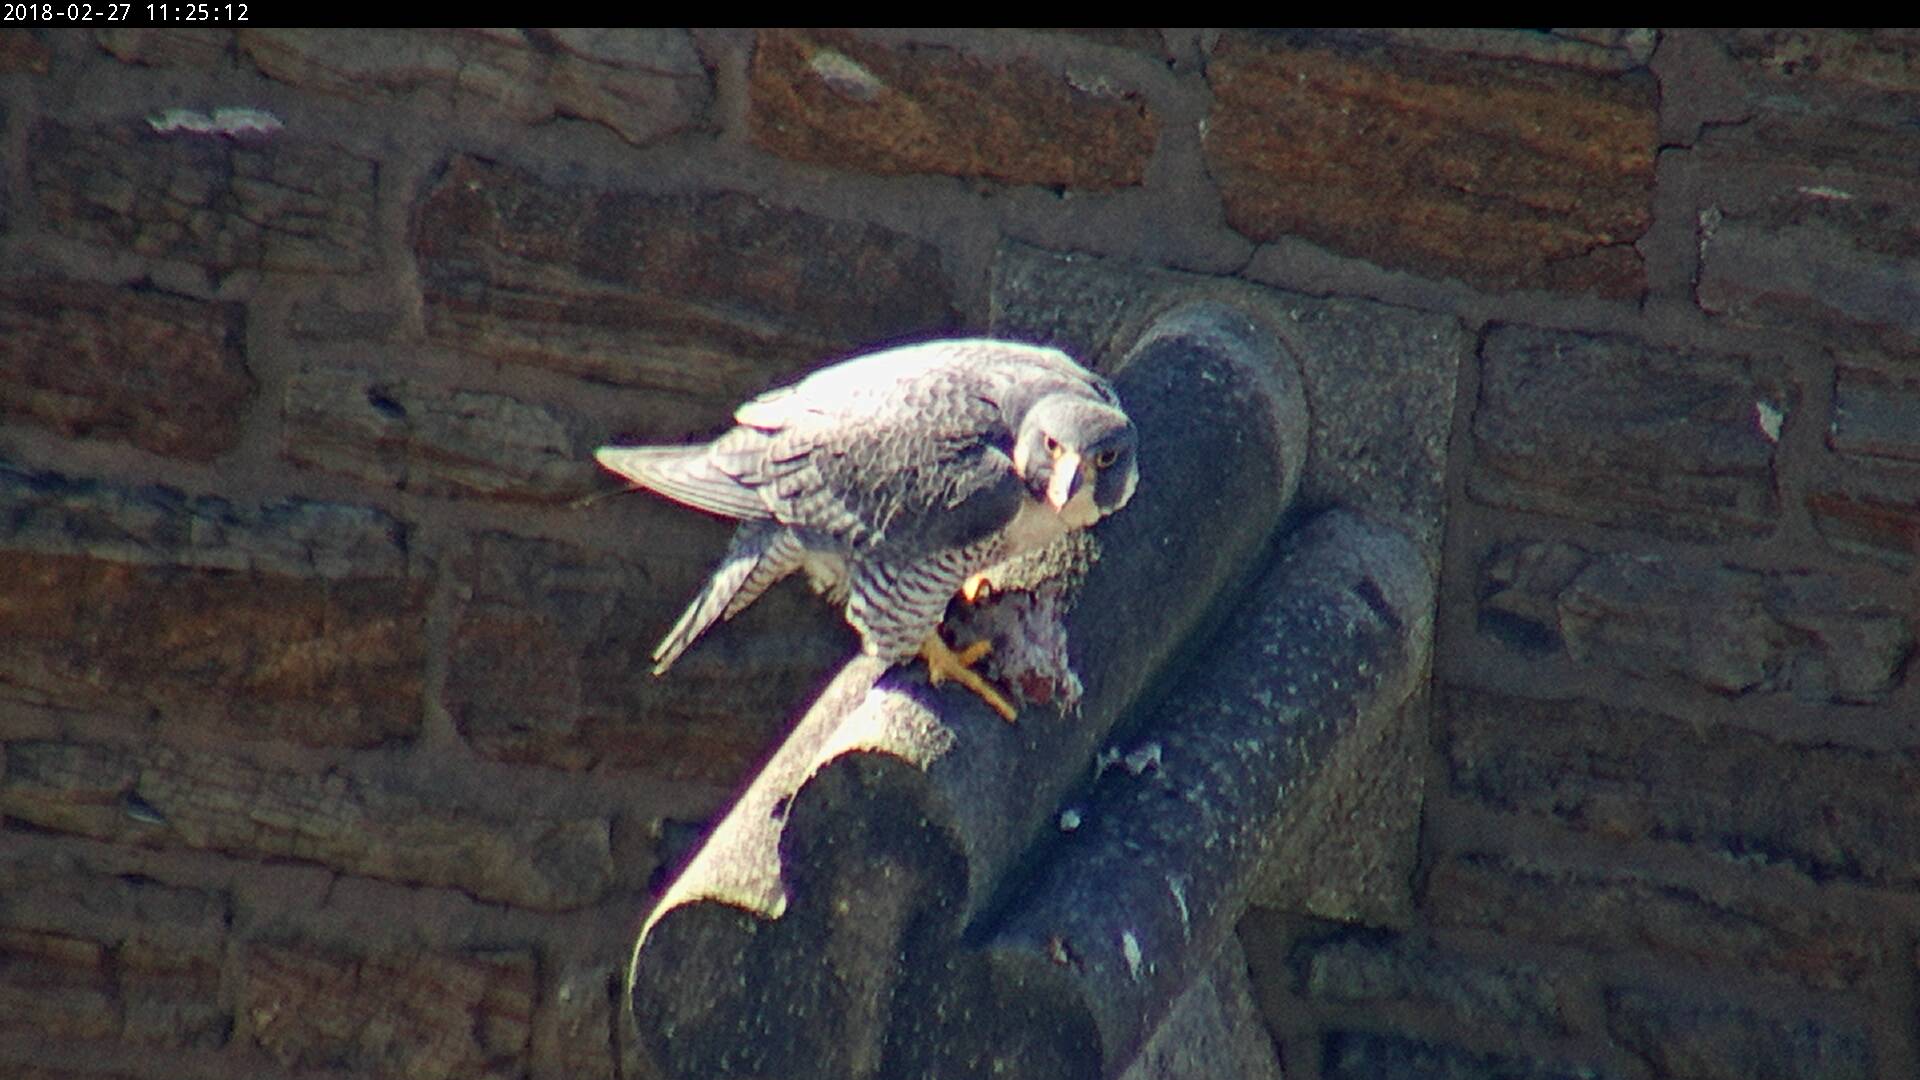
(943, 664)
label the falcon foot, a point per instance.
(976, 588)
(943, 664)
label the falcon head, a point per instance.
(1077, 454)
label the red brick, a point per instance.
(715, 296)
(842, 101)
(255, 656)
(165, 373)
(392, 1013)
(1506, 174)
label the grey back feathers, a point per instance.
(890, 479)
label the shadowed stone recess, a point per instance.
(883, 827)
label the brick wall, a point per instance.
(326, 741)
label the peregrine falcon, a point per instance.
(895, 480)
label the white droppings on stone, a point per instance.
(224, 121)
(846, 76)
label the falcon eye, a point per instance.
(1105, 458)
(1053, 447)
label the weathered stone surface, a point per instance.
(550, 655)
(161, 47)
(434, 440)
(1876, 412)
(1617, 431)
(1214, 1029)
(165, 373)
(1374, 971)
(1885, 60)
(1870, 512)
(55, 985)
(1681, 1033)
(1808, 222)
(1364, 1055)
(23, 51)
(155, 525)
(254, 656)
(1730, 630)
(251, 200)
(641, 84)
(159, 795)
(715, 296)
(1506, 174)
(1735, 925)
(1825, 253)
(85, 954)
(1827, 811)
(836, 99)
(390, 1013)
(573, 1030)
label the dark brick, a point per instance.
(1693, 1036)
(550, 656)
(1736, 926)
(1879, 60)
(86, 954)
(161, 796)
(1870, 512)
(252, 656)
(1371, 970)
(1810, 220)
(715, 296)
(44, 511)
(641, 84)
(1827, 811)
(1364, 1055)
(247, 201)
(1876, 412)
(838, 100)
(1617, 431)
(434, 440)
(55, 986)
(392, 1014)
(1729, 630)
(165, 373)
(1504, 173)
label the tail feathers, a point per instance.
(754, 564)
(684, 474)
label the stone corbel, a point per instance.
(913, 887)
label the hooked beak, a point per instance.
(1065, 480)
